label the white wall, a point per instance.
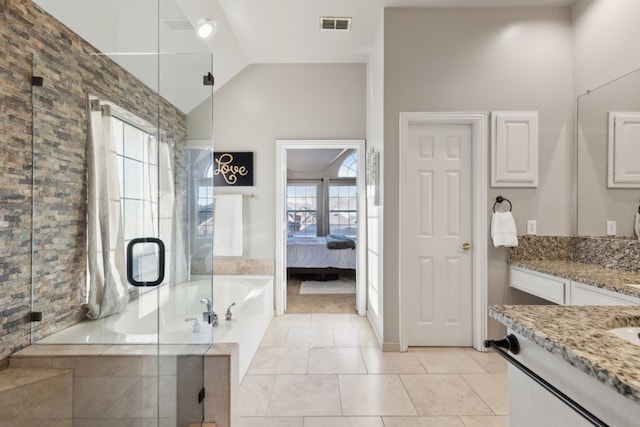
(606, 34)
(482, 60)
(267, 102)
(375, 141)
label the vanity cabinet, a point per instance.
(582, 294)
(530, 405)
(564, 291)
(545, 286)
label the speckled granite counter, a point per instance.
(590, 274)
(579, 335)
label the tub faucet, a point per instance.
(228, 314)
(210, 315)
(196, 323)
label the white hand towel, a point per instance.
(637, 225)
(503, 230)
(227, 225)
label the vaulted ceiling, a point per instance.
(248, 32)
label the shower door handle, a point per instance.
(140, 258)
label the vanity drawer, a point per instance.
(582, 294)
(541, 285)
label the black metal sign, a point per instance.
(233, 169)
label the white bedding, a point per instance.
(312, 252)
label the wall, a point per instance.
(58, 163)
(375, 141)
(606, 37)
(267, 102)
(482, 60)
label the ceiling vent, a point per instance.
(178, 24)
(332, 23)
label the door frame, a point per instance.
(478, 122)
(281, 226)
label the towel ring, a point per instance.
(501, 199)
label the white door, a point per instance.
(437, 234)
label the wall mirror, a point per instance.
(608, 199)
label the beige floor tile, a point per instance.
(310, 337)
(335, 360)
(358, 321)
(330, 320)
(444, 394)
(279, 360)
(493, 389)
(305, 395)
(291, 321)
(374, 395)
(274, 337)
(489, 360)
(354, 337)
(447, 360)
(486, 421)
(379, 362)
(343, 422)
(254, 394)
(270, 422)
(422, 422)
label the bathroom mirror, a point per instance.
(604, 209)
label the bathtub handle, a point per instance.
(131, 278)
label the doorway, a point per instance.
(442, 232)
(288, 216)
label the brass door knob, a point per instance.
(466, 246)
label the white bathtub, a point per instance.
(142, 323)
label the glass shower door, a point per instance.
(111, 235)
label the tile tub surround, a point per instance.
(126, 373)
(36, 397)
(579, 335)
(590, 274)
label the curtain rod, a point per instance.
(244, 196)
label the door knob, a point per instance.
(466, 246)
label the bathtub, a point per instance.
(176, 318)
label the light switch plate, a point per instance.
(611, 228)
(531, 227)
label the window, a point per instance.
(342, 209)
(302, 210)
(349, 167)
(204, 205)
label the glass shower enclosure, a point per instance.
(113, 226)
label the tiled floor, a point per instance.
(316, 370)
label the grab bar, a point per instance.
(496, 346)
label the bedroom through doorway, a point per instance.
(321, 199)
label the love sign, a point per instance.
(233, 169)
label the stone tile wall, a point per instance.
(55, 114)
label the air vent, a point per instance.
(178, 24)
(329, 23)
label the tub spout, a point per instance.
(210, 315)
(228, 314)
(196, 323)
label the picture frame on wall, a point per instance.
(233, 169)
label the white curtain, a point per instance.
(108, 293)
(170, 218)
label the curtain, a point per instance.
(108, 293)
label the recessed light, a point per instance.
(206, 29)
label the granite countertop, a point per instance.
(590, 274)
(579, 335)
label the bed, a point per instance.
(306, 254)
